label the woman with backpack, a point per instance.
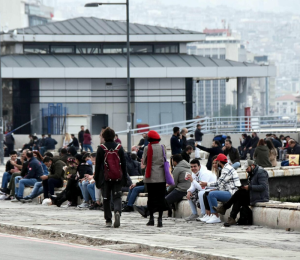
(155, 179)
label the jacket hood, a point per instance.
(55, 159)
(184, 164)
(262, 148)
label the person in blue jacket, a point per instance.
(176, 141)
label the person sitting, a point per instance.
(29, 144)
(177, 191)
(13, 165)
(250, 148)
(38, 186)
(64, 155)
(232, 154)
(67, 140)
(195, 192)
(50, 143)
(257, 190)
(132, 164)
(243, 143)
(283, 150)
(272, 152)
(74, 142)
(186, 153)
(226, 186)
(134, 191)
(294, 148)
(35, 171)
(214, 150)
(55, 178)
(262, 154)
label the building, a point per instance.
(79, 66)
(286, 105)
(215, 95)
(24, 13)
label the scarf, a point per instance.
(149, 159)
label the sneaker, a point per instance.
(220, 209)
(117, 220)
(14, 200)
(204, 218)
(128, 209)
(213, 219)
(83, 205)
(8, 198)
(108, 224)
(95, 206)
(231, 221)
(192, 217)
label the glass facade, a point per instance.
(7, 92)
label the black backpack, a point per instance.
(245, 216)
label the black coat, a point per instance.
(9, 166)
(184, 142)
(253, 142)
(198, 135)
(245, 141)
(185, 156)
(50, 143)
(294, 150)
(80, 136)
(74, 142)
(258, 185)
(233, 155)
(176, 145)
(212, 152)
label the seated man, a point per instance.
(226, 186)
(35, 171)
(50, 143)
(179, 190)
(232, 154)
(13, 165)
(257, 190)
(293, 148)
(195, 192)
(243, 143)
(186, 153)
(134, 191)
(250, 148)
(55, 179)
(74, 142)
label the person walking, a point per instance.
(155, 179)
(198, 139)
(111, 175)
(87, 141)
(80, 137)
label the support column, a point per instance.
(241, 96)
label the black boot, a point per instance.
(159, 222)
(150, 222)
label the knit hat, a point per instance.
(153, 135)
(250, 162)
(221, 158)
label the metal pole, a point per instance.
(128, 82)
(1, 111)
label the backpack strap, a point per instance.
(104, 147)
(118, 147)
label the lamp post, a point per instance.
(128, 67)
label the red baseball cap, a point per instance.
(221, 158)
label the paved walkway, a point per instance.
(251, 242)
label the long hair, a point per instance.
(270, 144)
(67, 137)
(38, 155)
(261, 142)
(213, 170)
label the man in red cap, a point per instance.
(226, 186)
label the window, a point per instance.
(284, 103)
(62, 49)
(222, 57)
(139, 49)
(36, 49)
(112, 49)
(162, 48)
(284, 111)
(87, 50)
(292, 110)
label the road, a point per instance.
(16, 247)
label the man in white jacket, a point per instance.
(195, 192)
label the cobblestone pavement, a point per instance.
(251, 242)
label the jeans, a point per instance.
(215, 196)
(11, 185)
(236, 165)
(244, 156)
(5, 179)
(49, 185)
(282, 154)
(85, 193)
(239, 198)
(285, 163)
(193, 207)
(22, 184)
(201, 201)
(42, 150)
(133, 193)
(87, 146)
(113, 188)
(37, 190)
(91, 190)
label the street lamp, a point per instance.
(128, 67)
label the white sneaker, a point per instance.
(204, 219)
(213, 219)
(83, 205)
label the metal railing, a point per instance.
(221, 125)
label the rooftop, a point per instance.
(286, 98)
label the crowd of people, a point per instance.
(100, 178)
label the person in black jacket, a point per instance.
(198, 139)
(74, 142)
(176, 141)
(50, 143)
(110, 187)
(294, 148)
(257, 190)
(243, 143)
(80, 137)
(214, 150)
(232, 154)
(186, 154)
(250, 148)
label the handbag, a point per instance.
(169, 178)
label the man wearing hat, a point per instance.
(257, 190)
(226, 186)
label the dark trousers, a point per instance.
(244, 156)
(49, 185)
(175, 196)
(205, 200)
(241, 149)
(240, 198)
(72, 191)
(114, 189)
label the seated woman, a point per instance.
(272, 152)
(262, 154)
